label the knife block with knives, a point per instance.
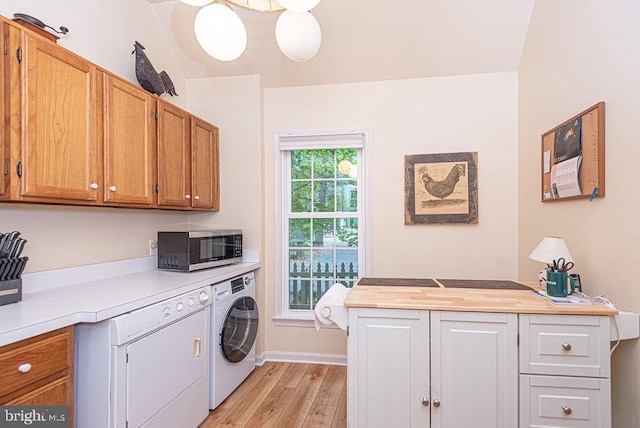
(11, 267)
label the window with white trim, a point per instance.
(322, 219)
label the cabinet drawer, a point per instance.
(46, 356)
(565, 345)
(56, 393)
(564, 402)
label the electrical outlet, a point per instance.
(153, 247)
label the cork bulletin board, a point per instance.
(573, 157)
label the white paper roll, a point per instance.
(326, 312)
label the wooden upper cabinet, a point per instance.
(174, 156)
(129, 143)
(59, 138)
(4, 142)
(204, 165)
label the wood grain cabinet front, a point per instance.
(52, 121)
(4, 144)
(38, 371)
(76, 134)
(187, 160)
(129, 143)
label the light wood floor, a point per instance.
(286, 395)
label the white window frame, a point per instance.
(285, 142)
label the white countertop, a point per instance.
(57, 306)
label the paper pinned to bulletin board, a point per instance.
(573, 157)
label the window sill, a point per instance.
(306, 322)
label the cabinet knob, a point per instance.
(196, 197)
(112, 188)
(23, 368)
(566, 346)
(187, 196)
(94, 186)
(566, 410)
(425, 401)
(436, 402)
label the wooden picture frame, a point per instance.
(561, 158)
(441, 188)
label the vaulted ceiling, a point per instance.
(367, 40)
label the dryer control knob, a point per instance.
(204, 297)
(179, 306)
(191, 301)
(166, 312)
(247, 280)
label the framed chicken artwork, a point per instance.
(441, 188)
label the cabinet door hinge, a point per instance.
(19, 169)
(6, 168)
(19, 54)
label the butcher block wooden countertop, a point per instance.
(463, 299)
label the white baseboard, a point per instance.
(301, 357)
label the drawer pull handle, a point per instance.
(23, 368)
(566, 410)
(566, 346)
(436, 403)
(425, 401)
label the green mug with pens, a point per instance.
(559, 282)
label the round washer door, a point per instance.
(239, 329)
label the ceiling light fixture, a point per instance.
(222, 34)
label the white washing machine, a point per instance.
(234, 326)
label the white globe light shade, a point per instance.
(297, 5)
(197, 3)
(220, 32)
(298, 35)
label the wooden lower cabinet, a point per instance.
(410, 368)
(39, 371)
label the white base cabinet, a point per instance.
(555, 401)
(474, 369)
(565, 368)
(411, 368)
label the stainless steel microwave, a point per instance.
(188, 251)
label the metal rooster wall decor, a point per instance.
(148, 77)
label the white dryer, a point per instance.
(234, 328)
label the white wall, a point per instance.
(580, 52)
(420, 116)
(104, 33)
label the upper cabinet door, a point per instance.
(129, 143)
(173, 156)
(4, 142)
(59, 123)
(205, 164)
